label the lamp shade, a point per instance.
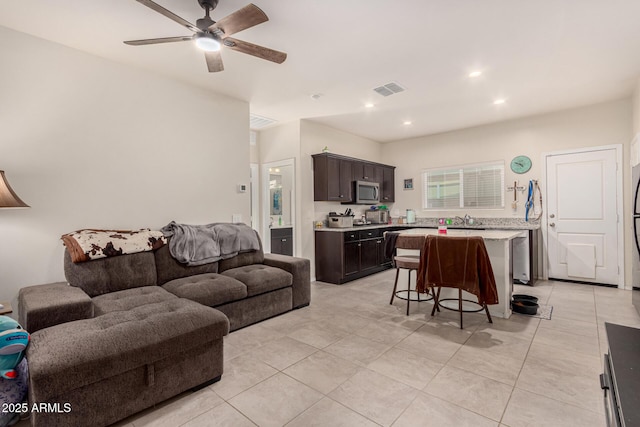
(8, 198)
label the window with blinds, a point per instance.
(479, 186)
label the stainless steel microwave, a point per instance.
(367, 193)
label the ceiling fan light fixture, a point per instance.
(207, 42)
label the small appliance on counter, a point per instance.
(377, 216)
(361, 221)
(336, 220)
(411, 216)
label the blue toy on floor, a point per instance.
(13, 342)
(13, 370)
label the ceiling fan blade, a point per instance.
(156, 41)
(255, 50)
(169, 15)
(241, 19)
(214, 61)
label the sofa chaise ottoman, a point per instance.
(100, 370)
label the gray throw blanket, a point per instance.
(204, 244)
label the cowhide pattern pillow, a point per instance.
(88, 244)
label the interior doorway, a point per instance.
(583, 226)
(278, 206)
(255, 195)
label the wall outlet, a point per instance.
(242, 188)
(236, 218)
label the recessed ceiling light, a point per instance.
(316, 96)
(475, 74)
(407, 122)
(369, 105)
(499, 101)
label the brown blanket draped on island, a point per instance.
(457, 262)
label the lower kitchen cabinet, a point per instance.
(342, 256)
(282, 241)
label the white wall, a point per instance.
(596, 125)
(636, 108)
(278, 143)
(91, 143)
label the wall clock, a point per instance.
(521, 164)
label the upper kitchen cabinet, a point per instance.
(366, 172)
(388, 189)
(334, 176)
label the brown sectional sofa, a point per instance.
(133, 330)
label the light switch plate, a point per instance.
(236, 218)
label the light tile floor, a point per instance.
(351, 359)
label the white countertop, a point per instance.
(485, 234)
(518, 227)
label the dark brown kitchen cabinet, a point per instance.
(363, 171)
(369, 256)
(351, 258)
(282, 241)
(332, 179)
(334, 176)
(342, 256)
(388, 189)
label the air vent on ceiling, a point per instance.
(258, 122)
(389, 89)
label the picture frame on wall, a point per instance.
(408, 184)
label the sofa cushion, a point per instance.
(209, 289)
(242, 259)
(129, 298)
(168, 268)
(41, 306)
(260, 278)
(72, 355)
(102, 276)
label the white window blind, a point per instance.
(479, 186)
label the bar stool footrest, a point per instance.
(463, 300)
(426, 297)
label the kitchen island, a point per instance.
(346, 254)
(498, 244)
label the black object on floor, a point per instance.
(524, 306)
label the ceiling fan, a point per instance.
(210, 35)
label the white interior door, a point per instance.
(582, 216)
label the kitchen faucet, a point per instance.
(468, 220)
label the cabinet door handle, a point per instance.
(283, 240)
(342, 196)
(359, 244)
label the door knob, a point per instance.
(552, 216)
(553, 224)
